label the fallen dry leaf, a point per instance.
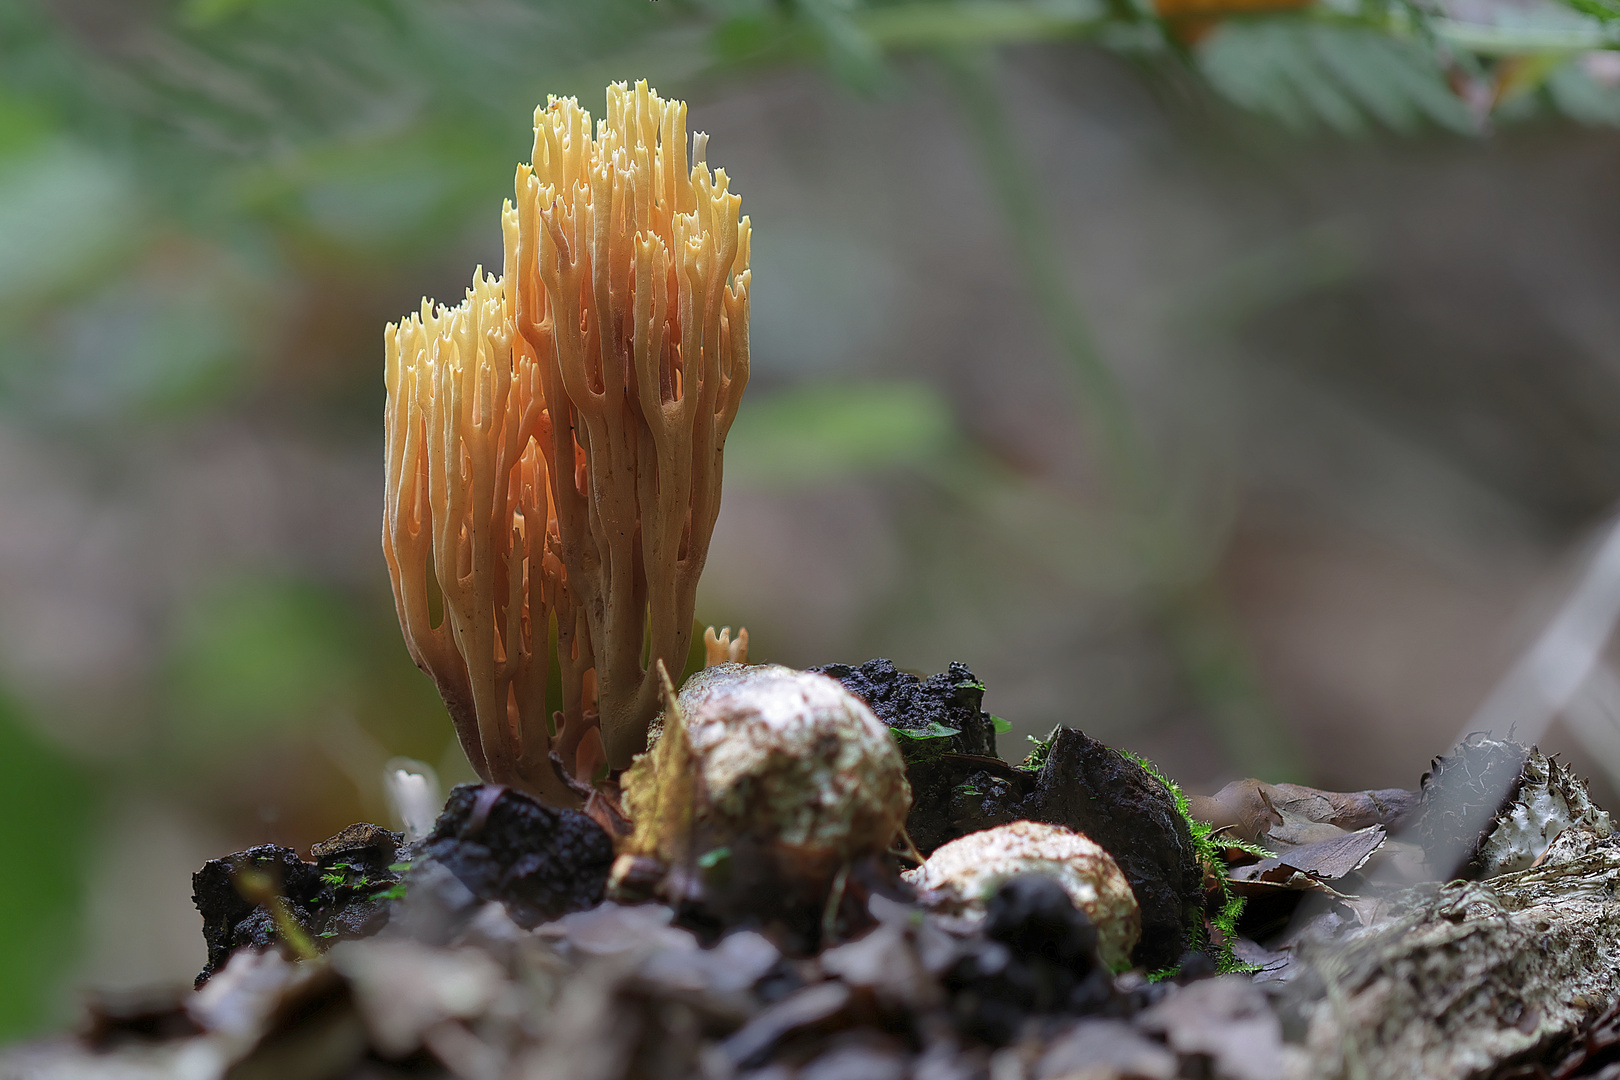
(1263, 813)
(1323, 861)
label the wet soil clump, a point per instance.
(947, 705)
(343, 894)
(490, 844)
(539, 861)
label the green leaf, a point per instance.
(750, 37)
(66, 211)
(1607, 10)
(710, 859)
(934, 730)
(204, 12)
(1581, 97)
(395, 891)
(1312, 74)
(853, 56)
(1001, 726)
(976, 22)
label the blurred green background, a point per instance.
(1239, 385)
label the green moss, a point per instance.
(1208, 851)
(1037, 755)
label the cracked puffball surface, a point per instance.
(966, 872)
(786, 756)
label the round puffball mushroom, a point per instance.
(776, 755)
(963, 874)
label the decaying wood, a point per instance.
(1457, 980)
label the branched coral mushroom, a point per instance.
(555, 441)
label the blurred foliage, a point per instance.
(260, 655)
(168, 170)
(832, 429)
(377, 126)
(1350, 78)
(261, 659)
(188, 189)
(45, 812)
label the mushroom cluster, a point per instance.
(555, 441)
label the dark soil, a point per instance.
(490, 844)
(947, 705)
(539, 861)
(340, 895)
(1038, 957)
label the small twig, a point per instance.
(260, 888)
(909, 850)
(488, 796)
(835, 900)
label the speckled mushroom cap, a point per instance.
(966, 872)
(792, 757)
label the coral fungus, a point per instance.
(554, 442)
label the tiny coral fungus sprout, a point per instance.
(554, 442)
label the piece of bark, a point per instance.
(1474, 976)
(1092, 788)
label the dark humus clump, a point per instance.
(342, 894)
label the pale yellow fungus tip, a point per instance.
(721, 649)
